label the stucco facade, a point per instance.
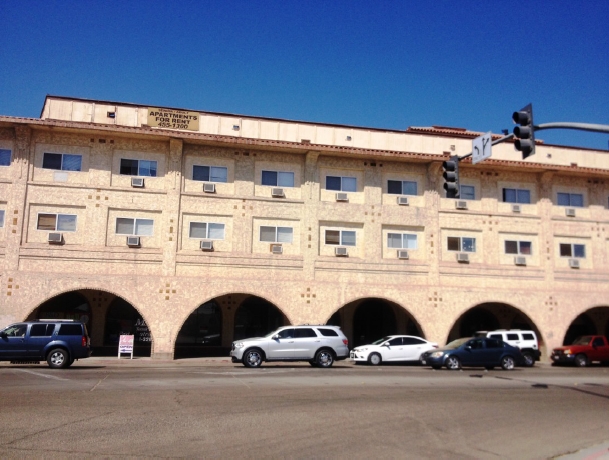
(168, 276)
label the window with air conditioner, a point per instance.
(277, 178)
(206, 231)
(518, 247)
(516, 195)
(54, 237)
(209, 188)
(134, 226)
(210, 173)
(401, 241)
(340, 237)
(575, 200)
(572, 250)
(271, 234)
(146, 168)
(341, 251)
(207, 245)
(401, 187)
(467, 192)
(461, 244)
(56, 222)
(341, 183)
(133, 241)
(62, 161)
(276, 248)
(520, 260)
(5, 157)
(137, 182)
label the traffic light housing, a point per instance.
(525, 133)
(451, 177)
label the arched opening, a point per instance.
(256, 317)
(123, 319)
(592, 322)
(201, 333)
(69, 305)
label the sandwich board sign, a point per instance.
(125, 345)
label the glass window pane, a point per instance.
(509, 195)
(410, 241)
(267, 234)
(577, 199)
(218, 174)
(147, 168)
(469, 244)
(349, 184)
(144, 227)
(409, 188)
(563, 199)
(2, 218)
(332, 237)
(565, 250)
(348, 238)
(51, 161)
(47, 222)
(284, 234)
(524, 196)
(511, 247)
(467, 192)
(128, 167)
(71, 162)
(332, 183)
(394, 240)
(269, 178)
(285, 179)
(525, 248)
(198, 230)
(5, 157)
(453, 243)
(66, 222)
(394, 187)
(579, 250)
(216, 231)
(200, 173)
(124, 226)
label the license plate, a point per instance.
(423, 362)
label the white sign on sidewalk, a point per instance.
(125, 345)
(481, 148)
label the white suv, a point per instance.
(319, 345)
(525, 340)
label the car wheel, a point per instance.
(58, 358)
(324, 358)
(507, 363)
(529, 360)
(453, 363)
(581, 360)
(252, 358)
(375, 359)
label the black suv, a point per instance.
(58, 342)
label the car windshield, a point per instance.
(379, 341)
(457, 343)
(585, 340)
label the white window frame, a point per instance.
(277, 184)
(572, 245)
(134, 219)
(291, 232)
(461, 248)
(518, 247)
(139, 172)
(404, 236)
(461, 186)
(62, 163)
(516, 190)
(416, 186)
(207, 232)
(210, 173)
(10, 157)
(341, 184)
(341, 241)
(57, 216)
(570, 195)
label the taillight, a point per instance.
(346, 341)
(84, 341)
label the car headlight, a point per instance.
(436, 354)
(568, 352)
(238, 344)
(361, 349)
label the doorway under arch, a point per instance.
(123, 319)
(201, 333)
(591, 322)
(256, 317)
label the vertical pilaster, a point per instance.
(172, 217)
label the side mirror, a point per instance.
(2, 334)
(468, 347)
(275, 337)
(386, 344)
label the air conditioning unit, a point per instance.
(207, 245)
(461, 204)
(462, 257)
(570, 212)
(133, 241)
(403, 200)
(277, 192)
(276, 249)
(342, 197)
(402, 254)
(55, 238)
(209, 188)
(574, 263)
(516, 208)
(341, 251)
(519, 260)
(137, 182)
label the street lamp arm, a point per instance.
(568, 125)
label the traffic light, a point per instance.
(525, 133)
(451, 177)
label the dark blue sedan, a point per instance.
(474, 352)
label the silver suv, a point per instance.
(319, 345)
(525, 340)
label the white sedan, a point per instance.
(392, 348)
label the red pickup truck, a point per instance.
(583, 351)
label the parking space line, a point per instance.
(53, 377)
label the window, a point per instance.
(286, 334)
(1, 218)
(5, 157)
(571, 199)
(278, 178)
(206, 230)
(341, 184)
(412, 341)
(464, 244)
(572, 250)
(42, 330)
(57, 222)
(513, 337)
(527, 336)
(304, 333)
(70, 329)
(209, 173)
(467, 192)
(145, 168)
(62, 161)
(515, 195)
(401, 241)
(328, 332)
(518, 247)
(276, 234)
(340, 237)
(135, 227)
(403, 187)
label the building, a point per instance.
(191, 229)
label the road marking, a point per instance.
(41, 375)
(261, 372)
(100, 381)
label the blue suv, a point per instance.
(58, 342)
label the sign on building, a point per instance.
(125, 345)
(173, 119)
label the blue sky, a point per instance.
(382, 64)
